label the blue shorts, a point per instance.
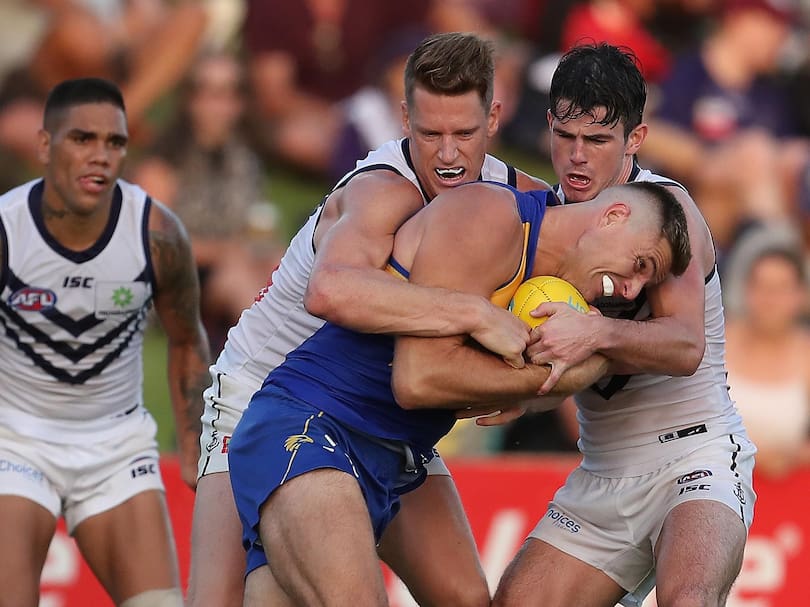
(279, 438)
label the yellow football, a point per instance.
(542, 289)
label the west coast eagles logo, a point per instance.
(294, 442)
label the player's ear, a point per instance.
(618, 212)
(635, 139)
(406, 119)
(494, 118)
(43, 146)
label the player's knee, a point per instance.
(166, 597)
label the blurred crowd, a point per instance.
(219, 91)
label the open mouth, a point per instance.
(607, 286)
(450, 174)
(578, 181)
(94, 183)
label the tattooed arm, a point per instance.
(177, 302)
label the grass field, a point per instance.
(156, 390)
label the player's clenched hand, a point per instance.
(504, 334)
(566, 339)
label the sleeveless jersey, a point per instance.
(278, 322)
(347, 374)
(73, 321)
(631, 424)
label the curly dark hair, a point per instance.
(593, 76)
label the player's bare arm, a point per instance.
(177, 302)
(349, 287)
(670, 343)
(476, 255)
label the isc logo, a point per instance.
(32, 299)
(143, 470)
(78, 282)
(690, 488)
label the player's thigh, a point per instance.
(699, 553)
(319, 541)
(130, 547)
(26, 528)
(431, 527)
(261, 588)
(217, 556)
(541, 575)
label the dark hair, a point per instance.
(79, 91)
(452, 64)
(673, 222)
(593, 76)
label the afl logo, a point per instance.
(32, 299)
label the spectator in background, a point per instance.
(143, 45)
(680, 25)
(768, 348)
(204, 170)
(566, 24)
(621, 23)
(724, 126)
(373, 115)
(306, 57)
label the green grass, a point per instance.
(156, 388)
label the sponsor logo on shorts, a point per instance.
(682, 433)
(213, 443)
(225, 442)
(693, 476)
(144, 469)
(294, 441)
(691, 488)
(32, 474)
(738, 493)
(563, 521)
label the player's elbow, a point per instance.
(411, 390)
(408, 395)
(687, 354)
(320, 297)
(692, 355)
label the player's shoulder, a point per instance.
(526, 182)
(478, 200)
(19, 194)
(378, 189)
(164, 227)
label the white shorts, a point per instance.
(80, 481)
(613, 524)
(224, 401)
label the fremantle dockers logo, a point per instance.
(32, 299)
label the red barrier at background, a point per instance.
(503, 498)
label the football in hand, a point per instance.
(542, 289)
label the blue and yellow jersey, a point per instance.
(347, 374)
